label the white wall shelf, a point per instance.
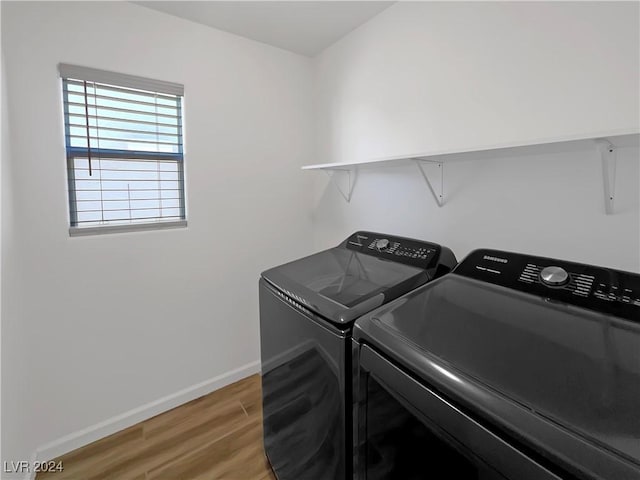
(431, 164)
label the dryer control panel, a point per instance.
(403, 250)
(597, 288)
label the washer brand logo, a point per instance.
(495, 259)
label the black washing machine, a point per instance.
(511, 367)
(307, 309)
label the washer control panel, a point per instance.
(403, 250)
(601, 289)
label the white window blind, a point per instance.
(124, 149)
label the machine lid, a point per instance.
(341, 284)
(576, 367)
(365, 271)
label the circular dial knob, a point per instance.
(382, 244)
(554, 276)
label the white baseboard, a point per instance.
(112, 425)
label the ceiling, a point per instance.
(304, 27)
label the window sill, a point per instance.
(135, 227)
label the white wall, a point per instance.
(431, 76)
(109, 323)
(424, 77)
(15, 355)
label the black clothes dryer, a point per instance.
(511, 367)
(307, 309)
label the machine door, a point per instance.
(407, 431)
(304, 364)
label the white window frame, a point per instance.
(68, 72)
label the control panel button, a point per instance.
(382, 244)
(554, 276)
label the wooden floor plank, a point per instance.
(251, 397)
(109, 449)
(237, 456)
(218, 436)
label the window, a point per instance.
(124, 151)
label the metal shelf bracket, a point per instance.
(348, 177)
(608, 156)
(438, 190)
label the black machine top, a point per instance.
(363, 272)
(600, 289)
(547, 350)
